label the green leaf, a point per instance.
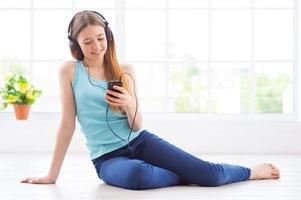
(37, 93)
(3, 106)
(22, 79)
(29, 101)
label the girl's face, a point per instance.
(93, 42)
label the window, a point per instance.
(190, 56)
(212, 56)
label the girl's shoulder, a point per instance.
(68, 69)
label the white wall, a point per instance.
(196, 135)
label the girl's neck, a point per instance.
(93, 63)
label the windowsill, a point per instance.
(171, 116)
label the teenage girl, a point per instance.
(123, 153)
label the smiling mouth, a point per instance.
(96, 53)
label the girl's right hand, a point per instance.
(38, 180)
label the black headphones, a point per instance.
(73, 44)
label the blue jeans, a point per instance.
(151, 162)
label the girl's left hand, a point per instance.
(123, 98)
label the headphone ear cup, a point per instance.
(109, 34)
(76, 50)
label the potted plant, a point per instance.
(20, 93)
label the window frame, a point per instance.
(120, 8)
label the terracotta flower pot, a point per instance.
(21, 111)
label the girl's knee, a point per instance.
(213, 180)
(139, 177)
(135, 177)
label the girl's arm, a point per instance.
(130, 108)
(66, 128)
(127, 100)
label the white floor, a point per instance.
(78, 180)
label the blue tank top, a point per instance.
(91, 115)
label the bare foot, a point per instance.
(265, 171)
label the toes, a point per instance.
(276, 171)
(275, 174)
